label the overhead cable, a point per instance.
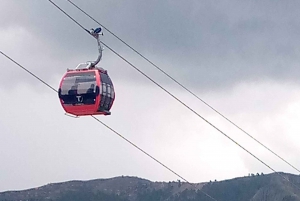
(111, 129)
(185, 88)
(177, 99)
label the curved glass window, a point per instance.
(79, 88)
(107, 92)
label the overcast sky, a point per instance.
(241, 57)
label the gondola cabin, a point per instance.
(86, 92)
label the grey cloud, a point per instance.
(205, 45)
(212, 44)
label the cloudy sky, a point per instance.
(241, 57)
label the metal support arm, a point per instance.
(95, 33)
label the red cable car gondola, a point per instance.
(87, 90)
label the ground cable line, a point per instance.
(173, 96)
(185, 88)
(111, 129)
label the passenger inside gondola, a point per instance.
(90, 96)
(73, 90)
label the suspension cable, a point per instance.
(177, 99)
(111, 129)
(185, 88)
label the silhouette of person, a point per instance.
(91, 89)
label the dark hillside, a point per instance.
(272, 187)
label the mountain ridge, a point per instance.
(269, 187)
